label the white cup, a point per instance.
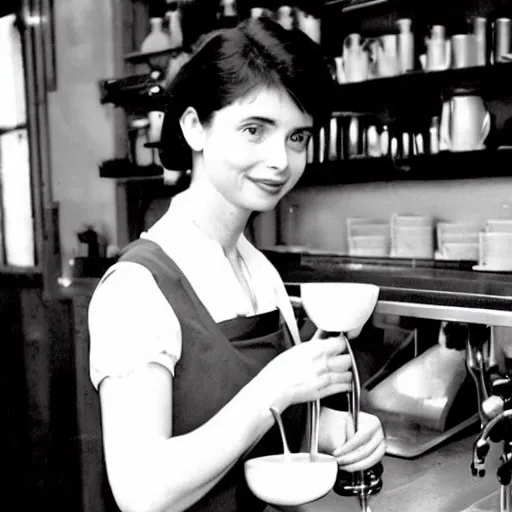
(309, 24)
(464, 51)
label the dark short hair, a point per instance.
(229, 63)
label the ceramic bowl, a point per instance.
(339, 307)
(294, 482)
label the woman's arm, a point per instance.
(151, 471)
(148, 469)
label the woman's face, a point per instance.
(255, 149)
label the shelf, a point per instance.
(352, 5)
(143, 57)
(441, 166)
(420, 90)
(135, 93)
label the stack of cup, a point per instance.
(412, 236)
(495, 246)
(457, 241)
(368, 237)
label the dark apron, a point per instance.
(217, 361)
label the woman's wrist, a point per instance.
(265, 393)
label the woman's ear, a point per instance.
(192, 129)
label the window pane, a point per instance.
(16, 211)
(12, 82)
(16, 199)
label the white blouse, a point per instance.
(131, 323)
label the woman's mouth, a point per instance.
(271, 187)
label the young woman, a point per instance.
(192, 330)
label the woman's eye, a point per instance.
(300, 140)
(254, 132)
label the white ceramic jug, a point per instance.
(388, 63)
(465, 123)
(355, 63)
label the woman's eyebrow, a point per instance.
(261, 119)
(272, 122)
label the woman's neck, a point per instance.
(215, 216)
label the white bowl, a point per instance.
(294, 482)
(339, 307)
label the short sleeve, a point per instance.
(131, 324)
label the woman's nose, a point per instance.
(277, 154)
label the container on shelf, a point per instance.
(139, 136)
(157, 40)
(174, 29)
(405, 45)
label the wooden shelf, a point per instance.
(441, 166)
(420, 90)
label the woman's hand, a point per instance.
(353, 451)
(309, 371)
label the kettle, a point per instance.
(465, 123)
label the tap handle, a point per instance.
(504, 472)
(480, 451)
(501, 386)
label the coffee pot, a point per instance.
(465, 123)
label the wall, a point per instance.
(83, 132)
(322, 211)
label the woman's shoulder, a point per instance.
(126, 286)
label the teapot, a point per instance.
(438, 56)
(465, 123)
(354, 64)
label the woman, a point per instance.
(191, 331)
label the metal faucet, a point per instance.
(494, 393)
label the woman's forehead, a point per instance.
(271, 102)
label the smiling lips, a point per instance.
(269, 186)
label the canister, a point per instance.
(139, 136)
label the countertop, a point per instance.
(424, 281)
(438, 481)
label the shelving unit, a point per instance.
(410, 99)
(441, 166)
